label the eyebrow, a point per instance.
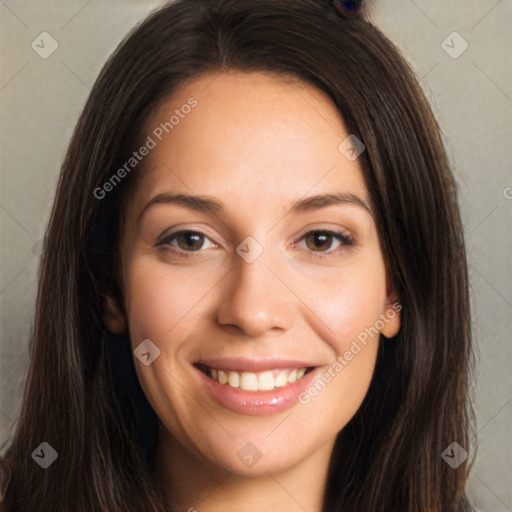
(210, 205)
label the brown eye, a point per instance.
(186, 242)
(190, 241)
(320, 242)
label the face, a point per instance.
(236, 270)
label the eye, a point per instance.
(186, 241)
(320, 241)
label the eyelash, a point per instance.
(345, 240)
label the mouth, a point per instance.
(266, 380)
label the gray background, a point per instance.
(471, 96)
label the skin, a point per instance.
(256, 143)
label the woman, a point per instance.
(315, 353)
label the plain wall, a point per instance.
(471, 95)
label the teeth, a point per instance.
(265, 381)
(261, 381)
(249, 381)
(234, 380)
(281, 380)
(222, 378)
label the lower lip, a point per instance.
(256, 403)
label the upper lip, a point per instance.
(238, 364)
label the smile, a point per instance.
(255, 381)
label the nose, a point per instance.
(256, 299)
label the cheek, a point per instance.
(344, 306)
(351, 314)
(162, 299)
(345, 303)
(161, 305)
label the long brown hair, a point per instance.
(389, 457)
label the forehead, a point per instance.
(247, 138)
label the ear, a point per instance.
(391, 315)
(113, 315)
